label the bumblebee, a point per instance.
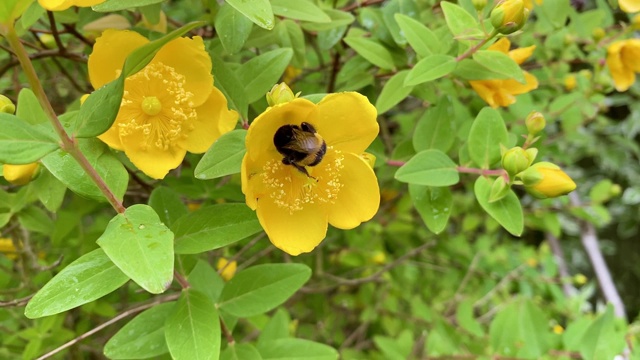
(301, 146)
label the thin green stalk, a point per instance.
(477, 47)
(67, 143)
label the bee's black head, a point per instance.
(284, 135)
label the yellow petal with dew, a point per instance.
(346, 121)
(109, 53)
(214, 119)
(189, 58)
(359, 198)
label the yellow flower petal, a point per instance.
(630, 55)
(294, 233)
(489, 91)
(109, 53)
(346, 121)
(629, 6)
(154, 161)
(189, 58)
(359, 198)
(516, 88)
(214, 119)
(520, 55)
(19, 174)
(623, 77)
(59, 5)
(501, 45)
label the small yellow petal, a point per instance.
(60, 5)
(19, 174)
(501, 45)
(516, 88)
(109, 53)
(520, 55)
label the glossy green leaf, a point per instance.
(213, 227)
(206, 279)
(506, 211)
(141, 246)
(192, 330)
(601, 340)
(31, 15)
(338, 19)
(258, 11)
(142, 337)
(99, 111)
(291, 36)
(232, 28)
(303, 10)
(226, 80)
(469, 69)
(487, 132)
(261, 72)
(115, 5)
(240, 352)
(433, 204)
(371, 50)
(22, 143)
(261, 288)
(88, 278)
(459, 21)
(423, 41)
(430, 68)
(520, 330)
(436, 128)
(278, 327)
(501, 63)
(66, 169)
(29, 109)
(224, 157)
(35, 219)
(299, 349)
(50, 190)
(12, 9)
(429, 168)
(393, 92)
(167, 204)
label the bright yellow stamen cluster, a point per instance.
(290, 189)
(164, 117)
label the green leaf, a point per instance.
(501, 63)
(459, 21)
(393, 92)
(66, 169)
(35, 219)
(193, 329)
(142, 337)
(50, 190)
(303, 10)
(99, 111)
(520, 330)
(258, 11)
(213, 227)
(224, 157)
(487, 132)
(430, 68)
(371, 50)
(88, 278)
(31, 15)
(260, 73)
(240, 352)
(506, 211)
(21, 143)
(291, 36)
(232, 28)
(12, 9)
(299, 349)
(29, 108)
(278, 327)
(466, 319)
(423, 41)
(141, 246)
(261, 288)
(601, 340)
(230, 85)
(469, 69)
(206, 279)
(115, 5)
(167, 204)
(436, 128)
(429, 168)
(338, 19)
(433, 204)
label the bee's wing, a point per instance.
(302, 141)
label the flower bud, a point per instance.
(515, 160)
(509, 16)
(6, 105)
(48, 41)
(19, 174)
(369, 158)
(615, 190)
(479, 4)
(598, 34)
(499, 189)
(546, 180)
(570, 82)
(228, 269)
(280, 94)
(535, 122)
(635, 22)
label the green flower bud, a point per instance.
(535, 122)
(509, 16)
(479, 4)
(499, 189)
(515, 160)
(546, 180)
(598, 34)
(6, 105)
(280, 94)
(531, 154)
(615, 190)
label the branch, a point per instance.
(563, 269)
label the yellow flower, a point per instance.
(623, 60)
(502, 92)
(529, 3)
(8, 248)
(558, 329)
(228, 268)
(6, 105)
(629, 6)
(570, 82)
(19, 174)
(168, 108)
(546, 180)
(342, 190)
(59, 5)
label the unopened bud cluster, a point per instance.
(509, 16)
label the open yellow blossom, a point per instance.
(502, 92)
(623, 60)
(629, 6)
(295, 208)
(59, 5)
(168, 108)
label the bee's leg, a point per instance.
(300, 168)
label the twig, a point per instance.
(464, 282)
(563, 269)
(244, 248)
(17, 302)
(505, 280)
(54, 32)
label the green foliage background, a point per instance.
(437, 274)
